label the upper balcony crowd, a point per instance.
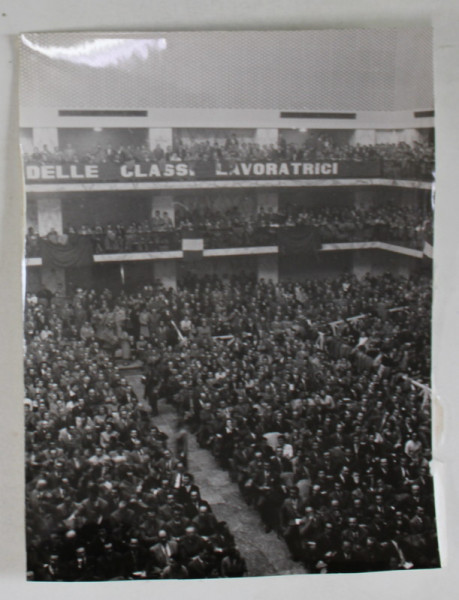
(391, 223)
(396, 161)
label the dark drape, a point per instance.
(298, 240)
(77, 252)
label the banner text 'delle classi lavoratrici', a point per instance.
(199, 170)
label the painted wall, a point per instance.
(53, 279)
(332, 264)
(162, 136)
(220, 200)
(87, 140)
(268, 267)
(45, 136)
(163, 203)
(364, 137)
(268, 200)
(105, 208)
(325, 265)
(378, 262)
(166, 272)
(267, 136)
(225, 265)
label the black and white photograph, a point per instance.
(228, 259)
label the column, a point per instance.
(161, 136)
(268, 267)
(26, 140)
(45, 136)
(49, 215)
(31, 213)
(166, 272)
(163, 203)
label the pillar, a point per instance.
(268, 267)
(49, 215)
(166, 272)
(31, 213)
(161, 136)
(45, 136)
(26, 140)
(163, 203)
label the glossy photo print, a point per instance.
(227, 305)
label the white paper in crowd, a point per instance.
(228, 299)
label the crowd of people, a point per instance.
(387, 222)
(312, 395)
(106, 498)
(398, 160)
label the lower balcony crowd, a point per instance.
(314, 414)
(392, 223)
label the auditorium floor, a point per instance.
(265, 553)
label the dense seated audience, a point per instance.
(313, 412)
(387, 222)
(106, 498)
(399, 160)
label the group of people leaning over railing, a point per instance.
(388, 222)
(398, 159)
(406, 225)
(333, 450)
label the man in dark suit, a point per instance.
(53, 570)
(191, 509)
(187, 486)
(109, 564)
(290, 516)
(191, 544)
(161, 553)
(205, 522)
(134, 559)
(81, 568)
